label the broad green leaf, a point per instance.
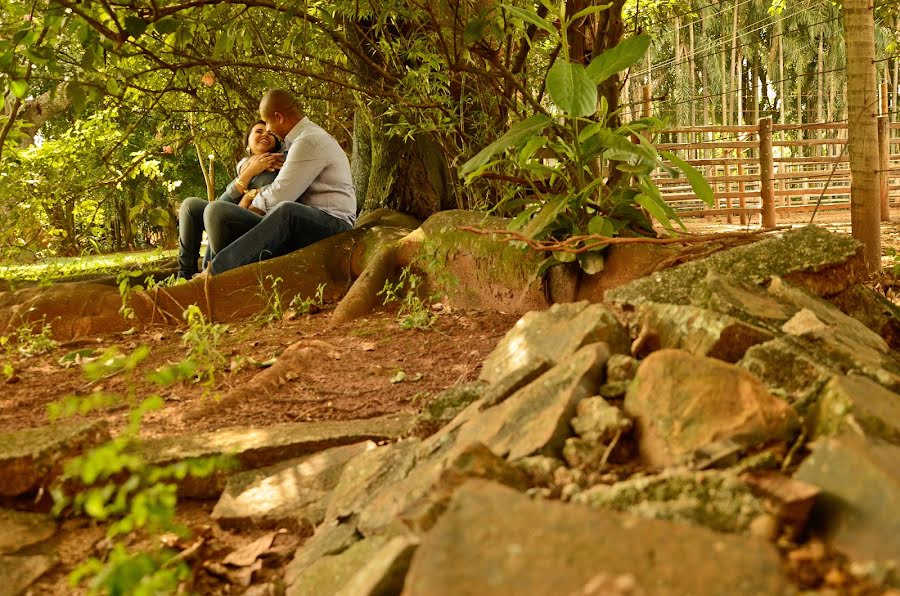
(601, 225)
(618, 58)
(224, 44)
(532, 18)
(75, 93)
(564, 257)
(135, 26)
(659, 209)
(519, 221)
(592, 261)
(571, 89)
(19, 88)
(698, 183)
(475, 29)
(519, 133)
(544, 220)
(112, 87)
(588, 11)
(166, 26)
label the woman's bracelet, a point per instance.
(240, 184)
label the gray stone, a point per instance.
(30, 458)
(596, 421)
(788, 364)
(383, 574)
(554, 335)
(698, 330)
(681, 402)
(19, 572)
(20, 529)
(718, 500)
(856, 404)
(539, 468)
(513, 381)
(292, 494)
(872, 310)
(579, 453)
(329, 539)
(446, 405)
(809, 249)
(264, 446)
(857, 510)
(331, 574)
(367, 474)
(492, 540)
(621, 368)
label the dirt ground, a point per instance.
(363, 369)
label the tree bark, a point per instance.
(862, 98)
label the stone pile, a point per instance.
(670, 441)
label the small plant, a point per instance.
(119, 485)
(274, 310)
(126, 288)
(202, 340)
(894, 268)
(413, 313)
(27, 342)
(310, 305)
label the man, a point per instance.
(311, 198)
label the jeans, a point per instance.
(285, 228)
(223, 221)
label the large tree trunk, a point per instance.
(862, 98)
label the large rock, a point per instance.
(718, 500)
(857, 509)
(698, 330)
(494, 541)
(291, 494)
(329, 539)
(259, 447)
(790, 364)
(824, 262)
(30, 458)
(553, 336)
(681, 403)
(21, 529)
(872, 310)
(856, 404)
(19, 572)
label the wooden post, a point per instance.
(884, 165)
(862, 138)
(884, 99)
(766, 173)
(646, 104)
(211, 179)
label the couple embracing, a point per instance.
(279, 202)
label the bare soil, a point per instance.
(351, 371)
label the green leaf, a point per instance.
(19, 88)
(224, 44)
(698, 183)
(112, 87)
(475, 29)
(533, 19)
(588, 11)
(571, 89)
(546, 217)
(75, 93)
(592, 261)
(515, 136)
(618, 58)
(166, 26)
(659, 209)
(601, 226)
(135, 26)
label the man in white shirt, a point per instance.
(311, 198)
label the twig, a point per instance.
(609, 449)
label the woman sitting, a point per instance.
(255, 171)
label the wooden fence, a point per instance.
(770, 169)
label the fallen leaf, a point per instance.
(367, 346)
(399, 377)
(249, 553)
(208, 79)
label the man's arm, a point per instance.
(301, 167)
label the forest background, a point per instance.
(113, 110)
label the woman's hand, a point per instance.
(258, 164)
(248, 198)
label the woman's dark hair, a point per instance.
(275, 148)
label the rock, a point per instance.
(698, 330)
(856, 404)
(789, 500)
(805, 322)
(681, 402)
(19, 572)
(292, 494)
(384, 573)
(808, 249)
(718, 500)
(787, 364)
(872, 310)
(259, 447)
(596, 421)
(30, 458)
(513, 381)
(446, 405)
(579, 453)
(539, 547)
(334, 573)
(554, 335)
(20, 529)
(857, 510)
(367, 474)
(539, 468)
(536, 418)
(620, 368)
(329, 539)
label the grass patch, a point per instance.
(59, 267)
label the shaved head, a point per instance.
(280, 111)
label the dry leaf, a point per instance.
(249, 553)
(208, 79)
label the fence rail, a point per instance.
(770, 169)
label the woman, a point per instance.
(255, 171)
